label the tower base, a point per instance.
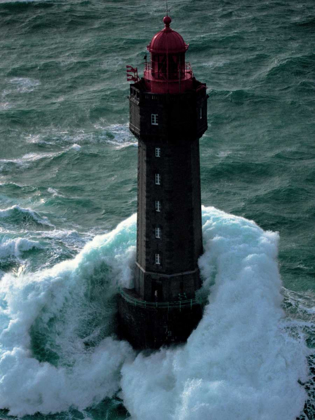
(153, 324)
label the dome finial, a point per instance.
(167, 20)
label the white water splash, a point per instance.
(240, 363)
(52, 308)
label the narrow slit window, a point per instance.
(157, 179)
(158, 206)
(157, 152)
(200, 113)
(157, 259)
(158, 233)
(154, 119)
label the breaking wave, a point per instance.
(19, 215)
(14, 248)
(242, 362)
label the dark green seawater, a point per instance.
(68, 168)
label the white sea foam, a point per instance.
(31, 157)
(8, 211)
(224, 153)
(118, 135)
(26, 160)
(72, 239)
(24, 84)
(240, 363)
(54, 192)
(14, 248)
(76, 147)
(12, 164)
(68, 297)
(4, 106)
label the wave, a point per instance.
(244, 169)
(14, 248)
(242, 96)
(18, 4)
(70, 239)
(20, 215)
(295, 65)
(16, 1)
(308, 23)
(9, 165)
(116, 135)
(58, 326)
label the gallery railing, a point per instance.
(177, 304)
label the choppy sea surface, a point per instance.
(68, 167)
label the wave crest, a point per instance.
(20, 215)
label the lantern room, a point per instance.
(167, 71)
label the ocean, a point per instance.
(68, 198)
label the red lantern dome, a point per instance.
(167, 72)
(167, 41)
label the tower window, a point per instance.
(200, 113)
(157, 179)
(157, 259)
(158, 233)
(157, 152)
(158, 206)
(154, 119)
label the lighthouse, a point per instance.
(168, 115)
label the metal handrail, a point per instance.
(168, 305)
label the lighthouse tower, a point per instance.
(168, 115)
